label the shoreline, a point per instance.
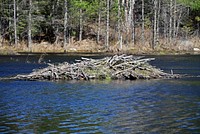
(98, 53)
(93, 50)
(167, 52)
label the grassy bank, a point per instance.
(90, 46)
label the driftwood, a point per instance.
(116, 67)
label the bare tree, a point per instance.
(127, 18)
(107, 23)
(175, 19)
(158, 21)
(99, 21)
(143, 22)
(125, 3)
(133, 21)
(15, 22)
(119, 25)
(155, 24)
(165, 18)
(10, 24)
(0, 40)
(29, 25)
(80, 23)
(178, 22)
(170, 20)
(130, 5)
(65, 23)
(0, 32)
(57, 34)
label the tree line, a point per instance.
(120, 22)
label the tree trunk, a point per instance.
(133, 23)
(178, 22)
(0, 37)
(125, 20)
(65, 24)
(158, 21)
(57, 34)
(99, 23)
(80, 23)
(130, 19)
(15, 22)
(130, 13)
(175, 19)
(119, 25)
(155, 24)
(107, 23)
(1, 26)
(143, 40)
(165, 22)
(170, 20)
(198, 26)
(126, 14)
(10, 25)
(29, 25)
(0, 40)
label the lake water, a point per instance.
(143, 106)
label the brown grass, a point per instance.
(90, 46)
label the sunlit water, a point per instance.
(146, 106)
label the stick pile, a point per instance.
(115, 67)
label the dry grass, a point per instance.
(90, 46)
(45, 47)
(85, 46)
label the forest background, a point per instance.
(135, 26)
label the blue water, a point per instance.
(144, 106)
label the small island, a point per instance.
(125, 67)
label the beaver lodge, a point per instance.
(115, 67)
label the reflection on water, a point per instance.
(152, 106)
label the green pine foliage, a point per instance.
(193, 4)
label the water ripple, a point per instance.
(154, 106)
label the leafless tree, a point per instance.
(133, 21)
(65, 23)
(158, 21)
(1, 27)
(119, 25)
(99, 21)
(143, 40)
(155, 24)
(80, 23)
(15, 22)
(29, 25)
(107, 23)
(170, 20)
(174, 18)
